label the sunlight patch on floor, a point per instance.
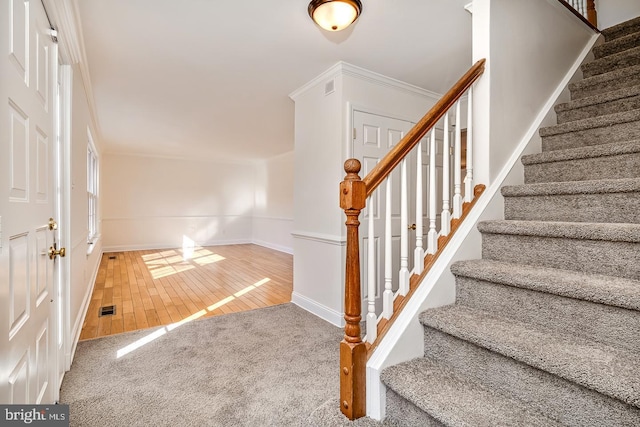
(170, 262)
(168, 328)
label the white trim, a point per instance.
(412, 309)
(469, 7)
(273, 246)
(375, 387)
(272, 218)
(322, 311)
(318, 237)
(221, 161)
(93, 244)
(66, 97)
(65, 15)
(147, 218)
(159, 246)
(77, 326)
(346, 69)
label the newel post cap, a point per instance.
(353, 192)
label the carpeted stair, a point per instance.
(546, 326)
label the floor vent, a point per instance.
(112, 257)
(107, 310)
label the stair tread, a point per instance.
(592, 123)
(616, 45)
(611, 32)
(617, 60)
(591, 151)
(614, 95)
(597, 366)
(599, 79)
(599, 186)
(433, 387)
(617, 232)
(597, 288)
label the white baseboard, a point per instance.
(159, 246)
(319, 310)
(273, 246)
(77, 325)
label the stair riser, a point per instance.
(401, 412)
(615, 33)
(588, 256)
(603, 135)
(607, 207)
(619, 105)
(610, 48)
(563, 400)
(606, 324)
(608, 167)
(628, 59)
(582, 91)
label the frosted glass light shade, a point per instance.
(334, 15)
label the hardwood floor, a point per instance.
(160, 287)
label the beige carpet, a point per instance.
(267, 367)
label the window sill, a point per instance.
(91, 244)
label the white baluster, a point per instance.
(457, 196)
(445, 217)
(372, 323)
(468, 179)
(387, 297)
(418, 254)
(432, 237)
(403, 287)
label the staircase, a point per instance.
(546, 326)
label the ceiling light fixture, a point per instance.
(334, 15)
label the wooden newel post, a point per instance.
(353, 351)
(592, 15)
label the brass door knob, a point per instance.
(53, 252)
(52, 224)
(412, 227)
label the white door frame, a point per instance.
(63, 363)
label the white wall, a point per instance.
(153, 202)
(530, 46)
(273, 210)
(322, 144)
(83, 267)
(612, 12)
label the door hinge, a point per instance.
(354, 133)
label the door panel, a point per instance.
(19, 36)
(374, 136)
(27, 201)
(19, 293)
(18, 153)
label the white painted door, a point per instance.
(27, 200)
(373, 137)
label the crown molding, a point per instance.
(65, 17)
(342, 68)
(469, 7)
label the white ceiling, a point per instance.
(211, 78)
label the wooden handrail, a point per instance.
(592, 17)
(375, 177)
(353, 196)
